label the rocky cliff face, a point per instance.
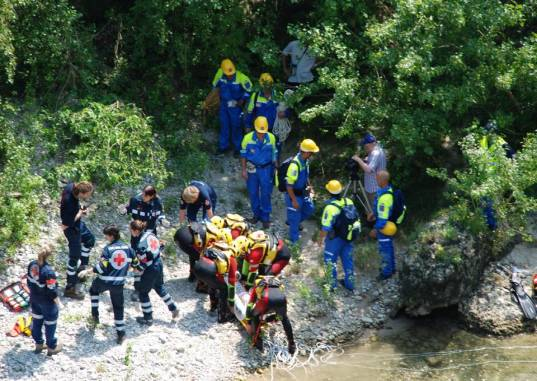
(441, 267)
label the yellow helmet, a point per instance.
(212, 234)
(240, 246)
(220, 258)
(261, 124)
(309, 145)
(226, 235)
(264, 281)
(228, 67)
(334, 187)
(389, 229)
(217, 221)
(232, 217)
(266, 79)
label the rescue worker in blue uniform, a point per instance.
(111, 272)
(148, 255)
(299, 196)
(43, 302)
(264, 103)
(258, 161)
(336, 246)
(79, 237)
(197, 195)
(491, 142)
(235, 90)
(382, 209)
(146, 207)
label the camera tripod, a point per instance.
(360, 195)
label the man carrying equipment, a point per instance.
(258, 161)
(111, 272)
(267, 297)
(80, 239)
(44, 302)
(298, 198)
(150, 263)
(234, 89)
(198, 195)
(341, 223)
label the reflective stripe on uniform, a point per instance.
(146, 304)
(111, 278)
(47, 322)
(32, 280)
(36, 316)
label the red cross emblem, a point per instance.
(154, 244)
(118, 259)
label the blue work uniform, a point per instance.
(206, 200)
(383, 210)
(297, 177)
(148, 256)
(79, 237)
(260, 163)
(43, 290)
(148, 212)
(491, 143)
(111, 273)
(232, 90)
(336, 247)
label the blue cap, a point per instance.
(368, 138)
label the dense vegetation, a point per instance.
(421, 75)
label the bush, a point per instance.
(111, 144)
(20, 191)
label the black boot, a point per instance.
(143, 321)
(120, 337)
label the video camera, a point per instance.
(353, 168)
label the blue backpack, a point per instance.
(347, 225)
(399, 207)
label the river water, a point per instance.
(432, 348)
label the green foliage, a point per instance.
(416, 73)
(490, 175)
(7, 50)
(115, 146)
(20, 214)
(53, 50)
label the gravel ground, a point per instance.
(194, 347)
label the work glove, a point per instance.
(164, 222)
(84, 274)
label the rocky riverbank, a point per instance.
(179, 349)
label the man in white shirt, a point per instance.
(371, 165)
(297, 63)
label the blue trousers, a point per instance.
(230, 127)
(192, 211)
(489, 213)
(259, 186)
(339, 248)
(387, 254)
(47, 314)
(295, 217)
(153, 279)
(80, 242)
(116, 295)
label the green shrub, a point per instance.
(20, 191)
(111, 144)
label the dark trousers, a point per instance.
(116, 295)
(44, 313)
(276, 304)
(192, 211)
(153, 279)
(80, 242)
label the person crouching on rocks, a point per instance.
(44, 302)
(148, 254)
(268, 303)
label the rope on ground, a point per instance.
(282, 360)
